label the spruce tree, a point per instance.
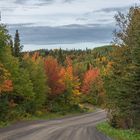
(17, 45)
(134, 31)
(124, 85)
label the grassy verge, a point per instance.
(46, 116)
(50, 116)
(4, 124)
(117, 134)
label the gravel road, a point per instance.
(70, 128)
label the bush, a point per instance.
(118, 134)
(4, 108)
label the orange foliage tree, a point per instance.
(89, 77)
(93, 87)
(52, 70)
(5, 82)
(71, 84)
(70, 81)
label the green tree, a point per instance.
(4, 37)
(124, 94)
(118, 92)
(12, 46)
(60, 57)
(22, 93)
(134, 43)
(35, 67)
(17, 46)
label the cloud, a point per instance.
(62, 21)
(47, 12)
(69, 1)
(64, 34)
(10, 26)
(113, 9)
(81, 19)
(21, 1)
(34, 2)
(44, 2)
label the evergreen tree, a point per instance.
(60, 57)
(124, 85)
(12, 46)
(17, 45)
(4, 37)
(134, 35)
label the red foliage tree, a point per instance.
(53, 73)
(89, 77)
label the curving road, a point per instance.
(72, 128)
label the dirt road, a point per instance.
(72, 128)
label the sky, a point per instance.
(63, 23)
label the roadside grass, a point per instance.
(40, 115)
(59, 115)
(51, 116)
(118, 134)
(4, 124)
(43, 116)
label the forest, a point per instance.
(62, 81)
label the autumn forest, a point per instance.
(61, 81)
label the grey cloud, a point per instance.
(42, 2)
(64, 34)
(19, 25)
(8, 9)
(107, 10)
(21, 1)
(81, 19)
(112, 9)
(45, 2)
(69, 1)
(102, 20)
